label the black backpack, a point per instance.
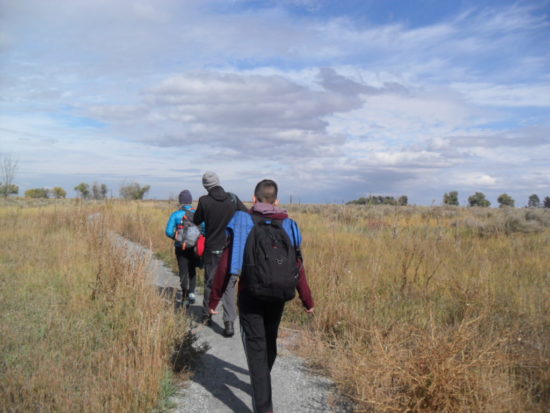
(270, 268)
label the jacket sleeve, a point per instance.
(171, 226)
(221, 279)
(303, 288)
(238, 229)
(198, 218)
(241, 206)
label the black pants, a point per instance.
(187, 265)
(259, 328)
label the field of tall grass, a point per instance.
(80, 330)
(430, 309)
(418, 309)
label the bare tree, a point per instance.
(8, 169)
(99, 191)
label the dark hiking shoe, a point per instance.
(228, 331)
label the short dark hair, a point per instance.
(266, 191)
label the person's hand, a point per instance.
(310, 310)
(212, 312)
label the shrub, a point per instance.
(58, 192)
(478, 199)
(133, 191)
(37, 193)
(6, 190)
(451, 198)
(505, 200)
(534, 201)
(84, 190)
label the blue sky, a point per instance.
(332, 99)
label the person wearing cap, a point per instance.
(186, 258)
(216, 209)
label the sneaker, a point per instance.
(191, 298)
(228, 331)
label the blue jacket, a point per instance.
(175, 220)
(240, 226)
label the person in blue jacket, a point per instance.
(259, 319)
(186, 258)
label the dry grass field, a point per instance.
(418, 309)
(430, 309)
(80, 330)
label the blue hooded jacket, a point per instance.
(175, 220)
(240, 226)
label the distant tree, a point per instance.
(505, 200)
(37, 193)
(373, 200)
(546, 202)
(379, 200)
(99, 191)
(478, 199)
(84, 190)
(8, 169)
(403, 200)
(133, 191)
(450, 198)
(58, 192)
(7, 190)
(534, 201)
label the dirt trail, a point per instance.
(221, 382)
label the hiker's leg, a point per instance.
(251, 318)
(272, 319)
(229, 300)
(192, 267)
(211, 260)
(183, 271)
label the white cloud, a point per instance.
(343, 104)
(473, 179)
(511, 95)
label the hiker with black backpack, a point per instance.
(216, 209)
(186, 234)
(264, 250)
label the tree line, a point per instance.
(131, 191)
(478, 199)
(135, 191)
(403, 200)
(504, 200)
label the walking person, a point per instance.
(186, 258)
(264, 249)
(216, 209)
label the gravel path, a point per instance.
(221, 383)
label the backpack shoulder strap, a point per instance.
(257, 218)
(184, 216)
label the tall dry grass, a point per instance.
(80, 330)
(418, 309)
(144, 223)
(430, 309)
